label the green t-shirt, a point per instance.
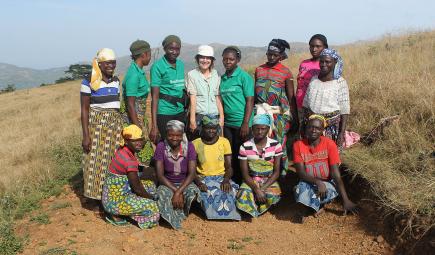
(234, 90)
(170, 80)
(135, 83)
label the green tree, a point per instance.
(77, 71)
(9, 88)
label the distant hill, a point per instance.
(28, 77)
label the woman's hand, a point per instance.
(154, 135)
(192, 126)
(260, 196)
(349, 206)
(226, 186)
(178, 200)
(244, 131)
(321, 189)
(86, 144)
(202, 187)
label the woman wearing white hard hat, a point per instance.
(203, 87)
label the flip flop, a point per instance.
(113, 222)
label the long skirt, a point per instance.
(246, 200)
(145, 155)
(217, 204)
(119, 199)
(105, 128)
(306, 193)
(164, 202)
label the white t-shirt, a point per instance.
(326, 97)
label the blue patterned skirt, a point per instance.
(306, 193)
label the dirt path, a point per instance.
(73, 229)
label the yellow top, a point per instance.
(211, 157)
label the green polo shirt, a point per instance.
(135, 83)
(170, 80)
(234, 90)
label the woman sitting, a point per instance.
(218, 191)
(123, 193)
(260, 165)
(328, 95)
(316, 160)
(176, 169)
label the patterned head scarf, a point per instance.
(131, 132)
(279, 46)
(177, 126)
(318, 117)
(211, 121)
(338, 70)
(262, 119)
(170, 39)
(105, 54)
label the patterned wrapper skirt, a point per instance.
(306, 193)
(164, 202)
(246, 201)
(119, 199)
(145, 155)
(105, 128)
(217, 204)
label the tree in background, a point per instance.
(75, 72)
(8, 88)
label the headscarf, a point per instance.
(131, 132)
(321, 38)
(279, 46)
(211, 120)
(177, 126)
(338, 70)
(318, 117)
(262, 119)
(170, 39)
(105, 54)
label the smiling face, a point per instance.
(135, 145)
(230, 60)
(314, 129)
(204, 63)
(316, 47)
(172, 51)
(107, 67)
(273, 58)
(174, 137)
(327, 65)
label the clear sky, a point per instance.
(52, 33)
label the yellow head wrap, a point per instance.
(131, 132)
(105, 54)
(318, 117)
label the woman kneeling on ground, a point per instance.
(123, 193)
(176, 169)
(218, 191)
(316, 160)
(260, 161)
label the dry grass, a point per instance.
(32, 121)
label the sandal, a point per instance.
(114, 222)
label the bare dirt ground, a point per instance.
(74, 229)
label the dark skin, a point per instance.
(141, 61)
(210, 136)
(174, 139)
(316, 47)
(327, 66)
(230, 61)
(260, 138)
(107, 69)
(172, 51)
(136, 145)
(313, 132)
(274, 58)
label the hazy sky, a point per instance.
(52, 33)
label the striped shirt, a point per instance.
(123, 162)
(107, 96)
(248, 150)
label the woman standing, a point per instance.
(328, 95)
(167, 88)
(237, 91)
(101, 121)
(176, 167)
(260, 163)
(275, 94)
(203, 88)
(135, 93)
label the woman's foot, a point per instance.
(319, 212)
(116, 220)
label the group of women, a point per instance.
(219, 140)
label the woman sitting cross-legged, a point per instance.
(260, 164)
(218, 191)
(316, 160)
(123, 193)
(176, 169)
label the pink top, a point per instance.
(307, 69)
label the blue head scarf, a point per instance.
(338, 70)
(262, 119)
